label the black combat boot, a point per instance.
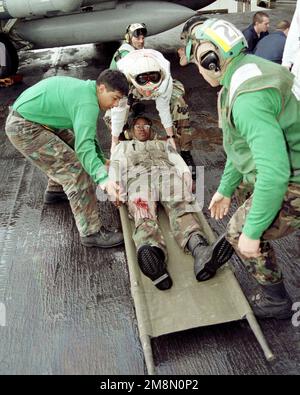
(187, 157)
(103, 239)
(208, 259)
(55, 197)
(273, 302)
(151, 261)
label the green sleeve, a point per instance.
(87, 150)
(255, 116)
(231, 179)
(120, 54)
(99, 152)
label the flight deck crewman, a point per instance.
(259, 111)
(39, 126)
(134, 39)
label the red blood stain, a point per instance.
(141, 204)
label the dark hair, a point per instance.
(259, 16)
(114, 80)
(134, 121)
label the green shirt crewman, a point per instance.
(54, 124)
(259, 111)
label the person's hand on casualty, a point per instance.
(113, 190)
(219, 206)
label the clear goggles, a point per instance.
(142, 127)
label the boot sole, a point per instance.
(221, 254)
(159, 275)
(120, 243)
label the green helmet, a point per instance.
(224, 35)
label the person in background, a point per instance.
(257, 30)
(271, 47)
(134, 39)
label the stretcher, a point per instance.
(219, 300)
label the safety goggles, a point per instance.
(154, 77)
(142, 127)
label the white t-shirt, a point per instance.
(291, 54)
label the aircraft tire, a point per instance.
(12, 58)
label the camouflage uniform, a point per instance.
(181, 117)
(52, 151)
(149, 177)
(265, 269)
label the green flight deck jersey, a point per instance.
(259, 110)
(68, 103)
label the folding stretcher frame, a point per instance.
(216, 301)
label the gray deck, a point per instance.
(69, 309)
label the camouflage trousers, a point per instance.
(53, 153)
(265, 268)
(180, 116)
(167, 189)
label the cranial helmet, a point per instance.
(135, 29)
(146, 73)
(190, 25)
(227, 42)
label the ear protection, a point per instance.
(210, 61)
(127, 36)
